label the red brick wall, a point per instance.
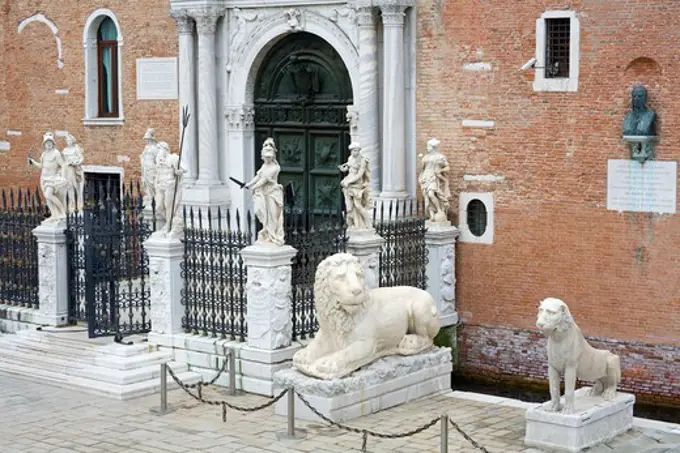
(618, 272)
(30, 73)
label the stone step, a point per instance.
(68, 367)
(95, 387)
(80, 341)
(100, 356)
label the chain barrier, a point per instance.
(365, 433)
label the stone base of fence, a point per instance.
(366, 245)
(440, 240)
(52, 273)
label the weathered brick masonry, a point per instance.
(619, 272)
(29, 79)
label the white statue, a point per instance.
(294, 17)
(356, 189)
(52, 181)
(352, 117)
(168, 185)
(73, 172)
(570, 354)
(358, 325)
(434, 182)
(148, 165)
(268, 196)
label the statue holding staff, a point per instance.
(52, 181)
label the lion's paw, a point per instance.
(326, 365)
(609, 394)
(301, 357)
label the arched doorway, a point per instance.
(301, 96)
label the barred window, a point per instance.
(557, 47)
(476, 217)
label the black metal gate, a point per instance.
(108, 267)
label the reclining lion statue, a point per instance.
(358, 325)
(570, 354)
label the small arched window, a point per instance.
(107, 68)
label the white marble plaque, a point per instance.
(648, 187)
(157, 78)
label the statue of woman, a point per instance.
(148, 164)
(356, 188)
(434, 182)
(52, 181)
(73, 172)
(268, 196)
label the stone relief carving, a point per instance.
(206, 19)
(73, 172)
(52, 181)
(434, 182)
(159, 313)
(269, 316)
(295, 19)
(448, 279)
(168, 175)
(356, 188)
(570, 354)
(353, 120)
(47, 285)
(346, 18)
(240, 117)
(268, 196)
(240, 20)
(358, 325)
(148, 165)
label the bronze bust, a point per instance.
(640, 121)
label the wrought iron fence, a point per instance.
(315, 236)
(20, 213)
(403, 258)
(214, 294)
(108, 267)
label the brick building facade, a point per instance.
(43, 83)
(541, 158)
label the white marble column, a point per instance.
(187, 91)
(52, 273)
(369, 132)
(165, 282)
(393, 142)
(208, 161)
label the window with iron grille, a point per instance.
(557, 47)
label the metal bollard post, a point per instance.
(163, 408)
(232, 372)
(445, 433)
(291, 412)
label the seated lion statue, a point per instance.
(570, 354)
(358, 325)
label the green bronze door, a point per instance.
(301, 98)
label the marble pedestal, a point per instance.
(386, 383)
(594, 421)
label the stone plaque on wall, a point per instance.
(648, 187)
(157, 78)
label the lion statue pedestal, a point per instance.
(374, 348)
(585, 417)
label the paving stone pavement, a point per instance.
(38, 418)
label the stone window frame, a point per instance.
(92, 117)
(465, 234)
(566, 84)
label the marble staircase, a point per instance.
(67, 358)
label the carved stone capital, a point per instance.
(240, 117)
(393, 14)
(366, 17)
(185, 23)
(206, 19)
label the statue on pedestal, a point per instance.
(148, 166)
(168, 175)
(434, 182)
(73, 172)
(639, 126)
(356, 189)
(570, 354)
(52, 181)
(268, 196)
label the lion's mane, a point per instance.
(333, 319)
